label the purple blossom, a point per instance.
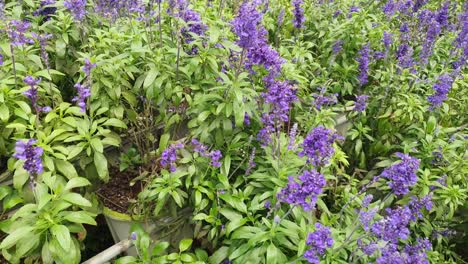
(411, 254)
(83, 92)
(246, 119)
(361, 103)
(292, 137)
(337, 46)
(305, 191)
(363, 61)
(277, 219)
(337, 13)
(352, 10)
(461, 42)
(199, 147)
(416, 205)
(31, 155)
(367, 200)
(194, 24)
(77, 8)
(442, 15)
(42, 39)
(280, 19)
(298, 12)
(88, 66)
(319, 241)
(251, 164)
(366, 217)
(31, 93)
(1, 59)
(394, 225)
(118, 8)
(215, 156)
(16, 31)
(245, 25)
(387, 40)
(368, 249)
(318, 146)
(442, 88)
(169, 156)
(404, 56)
(321, 99)
(389, 8)
(402, 175)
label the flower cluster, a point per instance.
(318, 241)
(337, 46)
(31, 155)
(402, 175)
(31, 93)
(83, 90)
(16, 31)
(118, 8)
(194, 24)
(169, 156)
(77, 8)
(442, 88)
(363, 60)
(45, 9)
(299, 18)
(361, 103)
(321, 99)
(202, 149)
(305, 192)
(411, 254)
(318, 146)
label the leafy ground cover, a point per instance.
(256, 131)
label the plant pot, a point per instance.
(120, 225)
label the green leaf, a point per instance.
(149, 80)
(66, 168)
(185, 244)
(16, 235)
(27, 244)
(203, 116)
(24, 106)
(126, 260)
(163, 142)
(77, 199)
(160, 248)
(76, 182)
(100, 162)
(97, 145)
(62, 234)
(4, 112)
(272, 254)
(115, 123)
(219, 256)
(80, 217)
(4, 191)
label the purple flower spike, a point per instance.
(88, 67)
(299, 18)
(169, 156)
(318, 146)
(32, 92)
(363, 60)
(31, 155)
(402, 175)
(318, 241)
(77, 8)
(305, 192)
(442, 88)
(361, 103)
(83, 93)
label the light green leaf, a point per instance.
(97, 145)
(185, 244)
(16, 235)
(62, 234)
(114, 122)
(76, 182)
(80, 217)
(77, 199)
(100, 162)
(66, 168)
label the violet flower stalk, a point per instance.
(31, 155)
(31, 93)
(16, 31)
(169, 156)
(402, 175)
(363, 61)
(77, 8)
(304, 192)
(337, 47)
(442, 88)
(361, 103)
(321, 99)
(318, 146)
(299, 18)
(45, 9)
(319, 241)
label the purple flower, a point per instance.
(169, 156)
(353, 9)
(277, 219)
(267, 204)
(42, 39)
(199, 147)
(387, 40)
(299, 18)
(83, 93)
(245, 25)
(16, 33)
(246, 119)
(46, 109)
(389, 8)
(77, 8)
(251, 161)
(337, 46)
(337, 13)
(361, 103)
(280, 19)
(322, 99)
(318, 146)
(402, 175)
(363, 61)
(411, 254)
(405, 56)
(31, 155)
(133, 236)
(442, 88)
(416, 205)
(318, 241)
(366, 217)
(88, 66)
(305, 191)
(368, 249)
(32, 92)
(394, 225)
(215, 156)
(367, 200)
(194, 24)
(118, 8)
(292, 137)
(1, 59)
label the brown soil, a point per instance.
(117, 194)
